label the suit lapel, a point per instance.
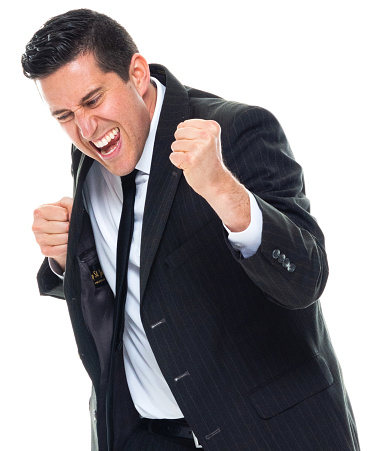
(164, 176)
(79, 173)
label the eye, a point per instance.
(65, 117)
(93, 102)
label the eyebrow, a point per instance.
(83, 100)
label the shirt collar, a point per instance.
(144, 162)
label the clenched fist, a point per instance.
(51, 227)
(197, 151)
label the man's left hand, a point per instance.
(197, 151)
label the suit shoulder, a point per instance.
(209, 106)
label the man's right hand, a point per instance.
(51, 227)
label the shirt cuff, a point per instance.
(248, 241)
(55, 267)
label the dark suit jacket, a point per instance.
(241, 342)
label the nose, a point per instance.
(86, 123)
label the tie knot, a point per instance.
(128, 181)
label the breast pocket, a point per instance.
(97, 302)
(292, 388)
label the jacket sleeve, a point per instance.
(290, 266)
(49, 284)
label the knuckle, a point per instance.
(214, 126)
(66, 200)
(37, 213)
(46, 250)
(36, 228)
(42, 240)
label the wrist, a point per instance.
(231, 202)
(61, 262)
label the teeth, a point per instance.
(106, 139)
(109, 151)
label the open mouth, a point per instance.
(108, 143)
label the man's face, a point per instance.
(107, 118)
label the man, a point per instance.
(218, 340)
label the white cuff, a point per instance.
(55, 267)
(249, 240)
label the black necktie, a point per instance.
(125, 234)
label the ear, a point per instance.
(139, 73)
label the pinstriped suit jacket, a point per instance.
(241, 342)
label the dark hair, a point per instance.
(65, 37)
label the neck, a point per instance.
(150, 98)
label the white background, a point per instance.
(316, 66)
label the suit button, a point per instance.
(281, 258)
(286, 263)
(291, 267)
(276, 253)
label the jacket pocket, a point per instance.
(97, 303)
(292, 388)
